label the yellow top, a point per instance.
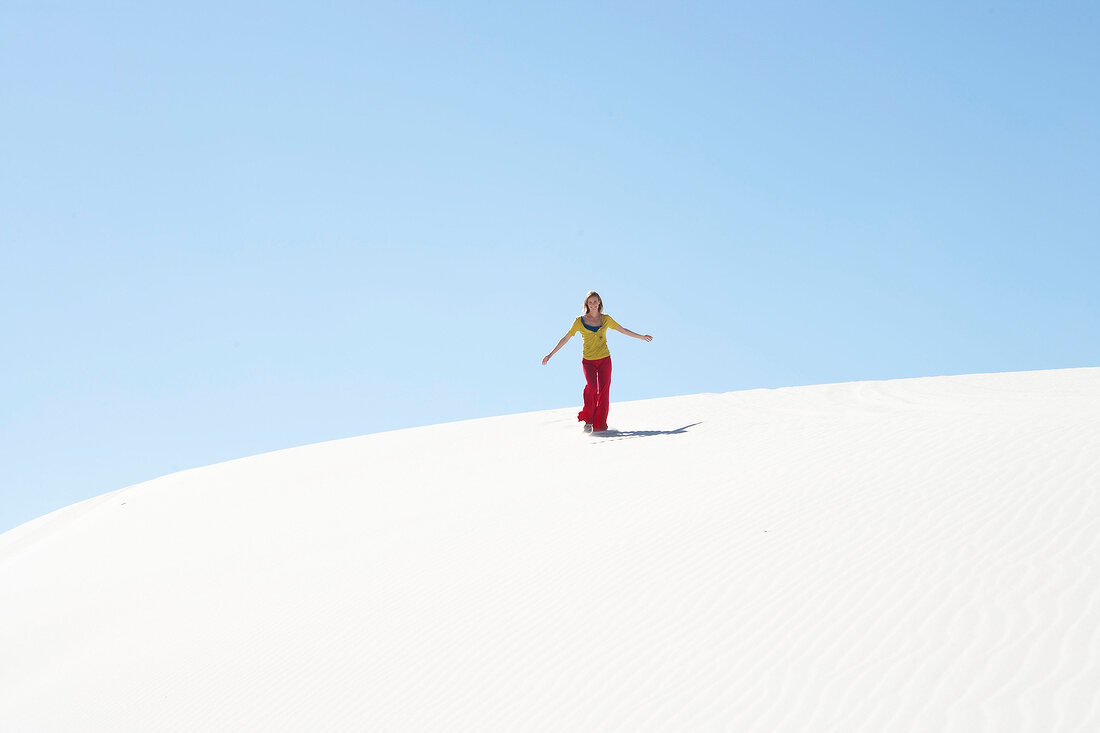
(595, 342)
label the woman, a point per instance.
(592, 326)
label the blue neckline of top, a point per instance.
(593, 329)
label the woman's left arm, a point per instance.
(628, 332)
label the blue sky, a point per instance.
(230, 230)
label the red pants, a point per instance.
(597, 374)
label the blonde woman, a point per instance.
(592, 326)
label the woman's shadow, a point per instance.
(610, 433)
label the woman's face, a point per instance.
(593, 304)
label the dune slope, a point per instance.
(912, 555)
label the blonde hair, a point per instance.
(584, 308)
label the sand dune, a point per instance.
(911, 555)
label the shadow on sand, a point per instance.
(610, 433)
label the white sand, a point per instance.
(914, 555)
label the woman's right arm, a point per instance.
(564, 340)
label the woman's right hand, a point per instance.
(546, 359)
